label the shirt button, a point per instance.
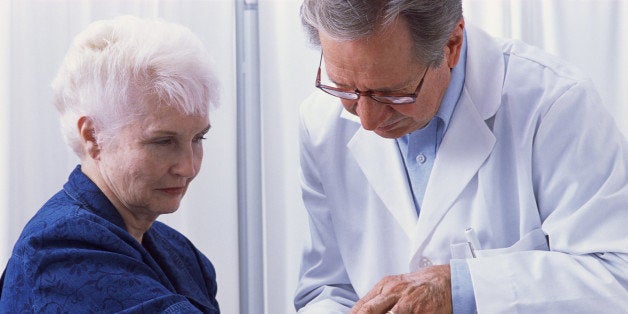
(425, 262)
(420, 158)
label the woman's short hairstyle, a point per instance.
(431, 22)
(114, 67)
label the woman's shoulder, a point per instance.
(65, 224)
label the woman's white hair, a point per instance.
(116, 66)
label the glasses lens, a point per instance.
(339, 94)
(395, 100)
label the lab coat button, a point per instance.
(425, 262)
(420, 158)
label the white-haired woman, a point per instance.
(134, 97)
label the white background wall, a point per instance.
(288, 71)
(592, 34)
(34, 161)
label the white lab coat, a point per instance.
(529, 153)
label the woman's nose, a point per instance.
(187, 163)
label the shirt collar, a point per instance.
(452, 94)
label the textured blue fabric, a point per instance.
(75, 256)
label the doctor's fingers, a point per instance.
(382, 296)
(423, 299)
(425, 291)
(377, 305)
(408, 298)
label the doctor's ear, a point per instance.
(87, 132)
(454, 44)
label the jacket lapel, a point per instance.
(381, 163)
(465, 147)
(469, 141)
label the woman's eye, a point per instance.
(199, 138)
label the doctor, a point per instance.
(444, 170)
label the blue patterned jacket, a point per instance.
(75, 255)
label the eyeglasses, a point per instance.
(395, 99)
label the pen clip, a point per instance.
(471, 249)
(472, 240)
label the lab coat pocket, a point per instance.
(533, 240)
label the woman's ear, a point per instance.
(87, 132)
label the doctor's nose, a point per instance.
(372, 113)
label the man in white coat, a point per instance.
(444, 170)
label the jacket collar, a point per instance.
(82, 189)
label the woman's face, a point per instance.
(147, 167)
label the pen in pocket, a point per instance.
(472, 241)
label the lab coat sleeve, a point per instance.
(579, 171)
(324, 286)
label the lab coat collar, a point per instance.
(484, 76)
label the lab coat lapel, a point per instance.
(381, 163)
(464, 149)
(467, 144)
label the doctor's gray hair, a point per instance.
(116, 70)
(431, 22)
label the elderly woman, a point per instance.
(134, 97)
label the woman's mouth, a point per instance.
(173, 191)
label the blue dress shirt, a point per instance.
(75, 256)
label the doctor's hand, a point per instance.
(427, 290)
